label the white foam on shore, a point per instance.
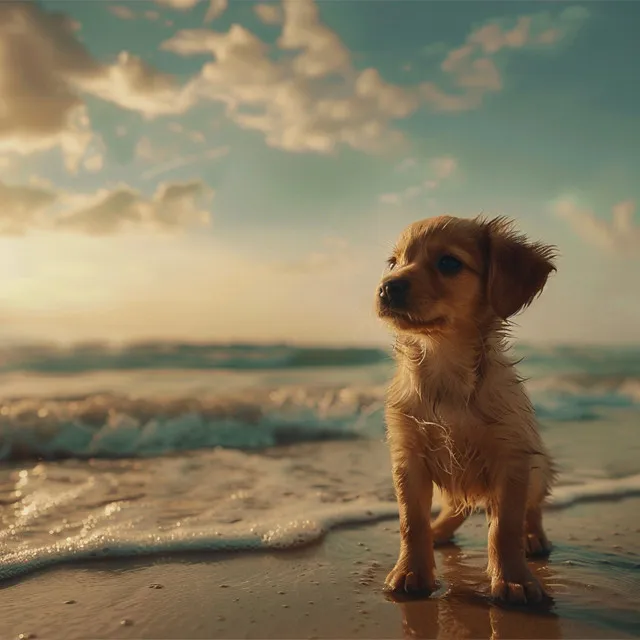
(594, 490)
(220, 500)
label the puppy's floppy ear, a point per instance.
(517, 269)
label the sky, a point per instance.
(238, 171)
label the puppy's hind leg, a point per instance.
(537, 544)
(448, 521)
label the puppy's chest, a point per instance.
(452, 445)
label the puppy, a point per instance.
(457, 414)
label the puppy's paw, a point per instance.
(411, 577)
(537, 545)
(441, 537)
(519, 589)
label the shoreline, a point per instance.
(332, 589)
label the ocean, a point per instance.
(165, 448)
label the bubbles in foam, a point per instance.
(221, 500)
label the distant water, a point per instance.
(163, 447)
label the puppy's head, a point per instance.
(446, 273)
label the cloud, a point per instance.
(333, 253)
(43, 62)
(180, 5)
(134, 85)
(185, 161)
(321, 50)
(173, 207)
(439, 170)
(178, 128)
(407, 163)
(312, 100)
(391, 198)
(164, 160)
(309, 97)
(147, 150)
(315, 100)
(120, 11)
(268, 13)
(620, 234)
(216, 7)
(21, 206)
(471, 66)
(443, 167)
(93, 159)
(94, 163)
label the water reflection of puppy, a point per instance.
(464, 611)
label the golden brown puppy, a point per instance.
(457, 413)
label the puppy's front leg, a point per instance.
(511, 579)
(414, 570)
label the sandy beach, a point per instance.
(127, 511)
(239, 239)
(333, 589)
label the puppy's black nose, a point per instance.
(394, 292)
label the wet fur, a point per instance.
(457, 413)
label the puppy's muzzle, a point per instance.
(394, 293)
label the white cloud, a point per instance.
(93, 159)
(133, 84)
(180, 5)
(332, 254)
(407, 163)
(184, 161)
(471, 65)
(619, 234)
(439, 170)
(22, 206)
(178, 128)
(321, 50)
(42, 61)
(314, 100)
(391, 198)
(216, 7)
(309, 98)
(147, 150)
(173, 206)
(268, 13)
(94, 163)
(165, 160)
(310, 101)
(443, 167)
(196, 136)
(120, 11)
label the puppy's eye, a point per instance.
(391, 263)
(449, 265)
